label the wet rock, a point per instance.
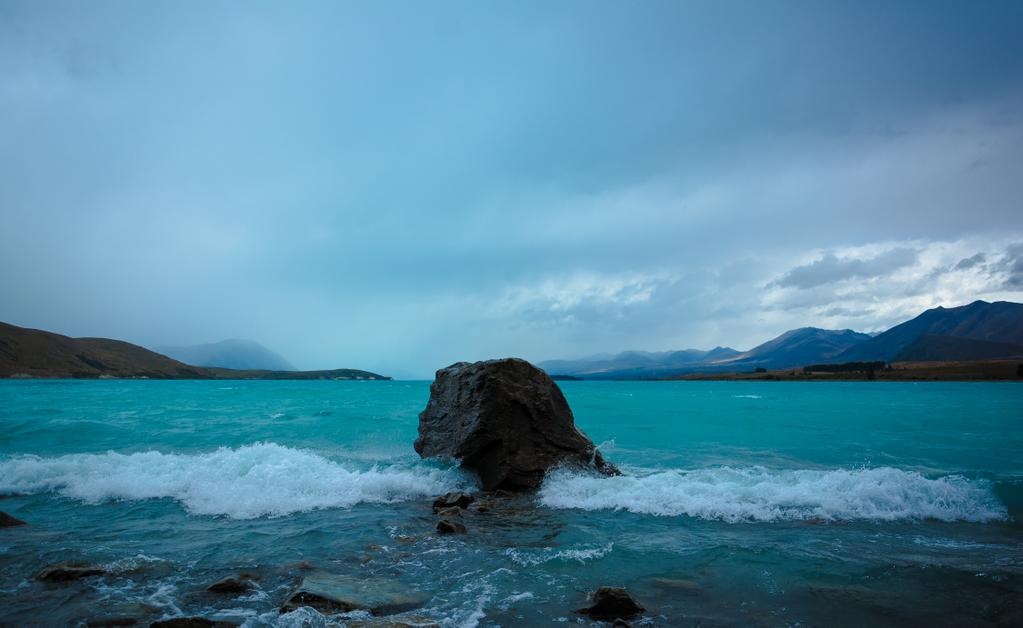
(7, 521)
(453, 500)
(231, 584)
(111, 622)
(507, 421)
(396, 622)
(302, 565)
(445, 526)
(337, 593)
(191, 622)
(610, 603)
(125, 613)
(454, 511)
(65, 572)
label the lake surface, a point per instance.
(741, 503)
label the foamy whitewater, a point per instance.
(740, 503)
(759, 494)
(251, 481)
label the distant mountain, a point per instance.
(36, 353)
(798, 347)
(1000, 322)
(229, 354)
(636, 364)
(978, 331)
(807, 345)
(932, 348)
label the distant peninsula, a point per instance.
(32, 353)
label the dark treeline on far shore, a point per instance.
(974, 370)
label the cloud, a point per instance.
(1011, 265)
(969, 262)
(396, 187)
(830, 268)
(937, 277)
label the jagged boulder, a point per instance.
(507, 421)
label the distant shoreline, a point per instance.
(948, 371)
(221, 375)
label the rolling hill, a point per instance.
(36, 353)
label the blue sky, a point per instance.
(399, 185)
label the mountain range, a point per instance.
(978, 331)
(37, 353)
(229, 354)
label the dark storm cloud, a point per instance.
(360, 183)
(970, 262)
(829, 268)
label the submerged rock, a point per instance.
(7, 521)
(112, 622)
(507, 421)
(452, 500)
(445, 526)
(191, 622)
(64, 572)
(336, 593)
(396, 622)
(231, 585)
(610, 603)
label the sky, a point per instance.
(396, 186)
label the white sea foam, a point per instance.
(250, 481)
(532, 558)
(746, 397)
(760, 494)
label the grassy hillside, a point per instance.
(36, 353)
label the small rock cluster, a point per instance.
(448, 506)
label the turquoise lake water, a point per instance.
(741, 503)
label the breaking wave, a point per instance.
(760, 494)
(264, 479)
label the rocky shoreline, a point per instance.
(364, 598)
(505, 421)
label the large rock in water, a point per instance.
(507, 421)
